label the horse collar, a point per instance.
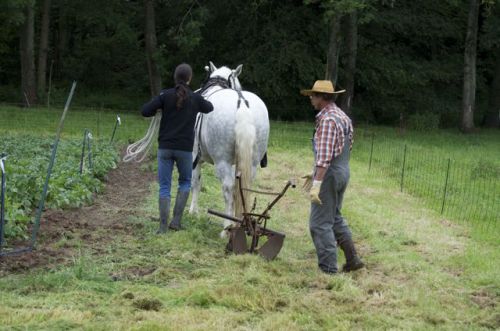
(215, 81)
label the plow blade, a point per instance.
(272, 246)
(238, 240)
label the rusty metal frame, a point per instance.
(254, 225)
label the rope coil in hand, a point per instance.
(139, 150)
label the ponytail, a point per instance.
(182, 76)
(181, 91)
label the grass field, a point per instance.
(100, 122)
(424, 271)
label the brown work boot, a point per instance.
(353, 262)
(353, 265)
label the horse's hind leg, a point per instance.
(195, 188)
(225, 173)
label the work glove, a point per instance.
(308, 182)
(314, 192)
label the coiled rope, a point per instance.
(139, 150)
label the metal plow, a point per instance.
(246, 235)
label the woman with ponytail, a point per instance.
(179, 107)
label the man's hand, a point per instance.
(308, 182)
(314, 192)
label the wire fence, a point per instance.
(461, 189)
(464, 190)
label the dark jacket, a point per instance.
(177, 125)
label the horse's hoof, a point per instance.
(223, 234)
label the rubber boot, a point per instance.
(180, 203)
(353, 262)
(164, 204)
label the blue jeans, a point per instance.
(184, 163)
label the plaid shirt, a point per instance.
(332, 127)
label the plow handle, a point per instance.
(280, 195)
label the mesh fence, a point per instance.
(464, 190)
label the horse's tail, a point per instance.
(245, 140)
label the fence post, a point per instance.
(98, 129)
(89, 147)
(118, 122)
(403, 168)
(445, 185)
(83, 150)
(2, 200)
(371, 153)
(36, 225)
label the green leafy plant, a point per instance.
(26, 169)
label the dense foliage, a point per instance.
(409, 62)
(26, 169)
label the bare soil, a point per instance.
(92, 226)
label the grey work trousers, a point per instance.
(326, 224)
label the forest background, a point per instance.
(420, 64)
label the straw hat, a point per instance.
(321, 86)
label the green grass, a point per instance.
(424, 271)
(457, 175)
(100, 122)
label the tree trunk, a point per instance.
(28, 83)
(43, 50)
(352, 50)
(62, 37)
(469, 91)
(492, 117)
(150, 37)
(333, 50)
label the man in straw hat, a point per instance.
(332, 145)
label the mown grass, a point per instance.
(424, 271)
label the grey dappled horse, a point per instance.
(233, 137)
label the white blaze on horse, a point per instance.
(233, 137)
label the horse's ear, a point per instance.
(238, 69)
(212, 66)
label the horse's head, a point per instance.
(224, 73)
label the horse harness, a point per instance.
(212, 82)
(225, 84)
